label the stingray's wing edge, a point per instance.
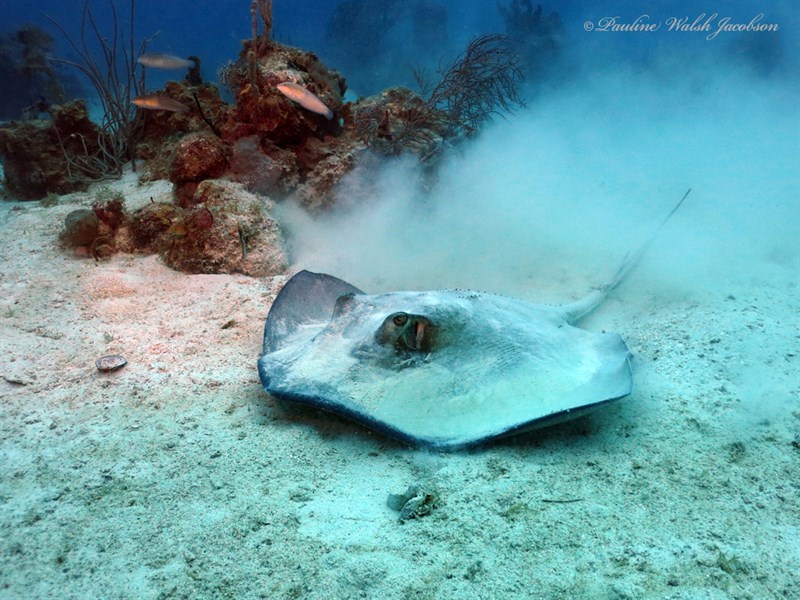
(306, 297)
(428, 443)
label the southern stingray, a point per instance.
(442, 369)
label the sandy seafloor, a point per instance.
(178, 477)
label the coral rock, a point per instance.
(163, 131)
(151, 222)
(110, 212)
(35, 152)
(229, 230)
(159, 125)
(264, 111)
(272, 171)
(198, 156)
(398, 120)
(80, 228)
(327, 164)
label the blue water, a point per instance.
(213, 30)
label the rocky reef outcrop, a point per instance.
(225, 229)
(48, 155)
(288, 133)
(277, 142)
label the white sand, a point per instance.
(178, 477)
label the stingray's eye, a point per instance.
(400, 319)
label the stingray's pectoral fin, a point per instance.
(306, 298)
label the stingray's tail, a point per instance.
(585, 305)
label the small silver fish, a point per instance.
(109, 363)
(164, 61)
(304, 98)
(156, 102)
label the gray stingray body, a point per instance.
(442, 369)
(495, 365)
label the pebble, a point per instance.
(109, 363)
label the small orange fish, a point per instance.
(164, 61)
(304, 98)
(156, 102)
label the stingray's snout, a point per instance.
(407, 332)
